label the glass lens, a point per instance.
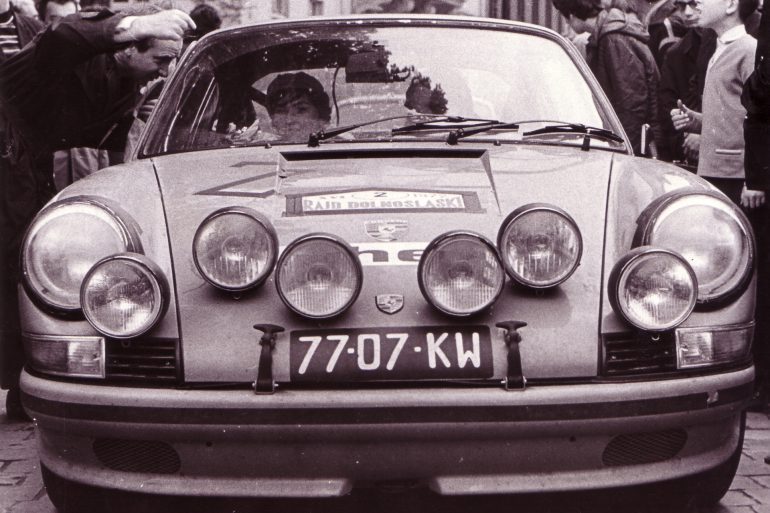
(656, 291)
(233, 250)
(122, 298)
(64, 245)
(462, 275)
(541, 248)
(707, 233)
(319, 278)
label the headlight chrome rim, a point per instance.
(442, 240)
(519, 213)
(159, 281)
(625, 264)
(123, 224)
(330, 238)
(269, 231)
(649, 217)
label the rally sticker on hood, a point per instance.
(381, 200)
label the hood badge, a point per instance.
(389, 303)
(386, 230)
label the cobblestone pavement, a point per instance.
(22, 491)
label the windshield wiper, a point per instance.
(456, 135)
(577, 128)
(457, 122)
(322, 135)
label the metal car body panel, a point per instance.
(219, 341)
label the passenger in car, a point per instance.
(297, 105)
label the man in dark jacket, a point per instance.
(74, 85)
(682, 77)
(621, 60)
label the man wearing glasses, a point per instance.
(682, 76)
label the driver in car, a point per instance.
(297, 105)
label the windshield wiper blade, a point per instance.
(577, 128)
(457, 122)
(322, 135)
(456, 135)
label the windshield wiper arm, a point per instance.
(577, 128)
(456, 135)
(322, 135)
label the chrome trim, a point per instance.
(432, 246)
(310, 238)
(127, 227)
(152, 270)
(518, 214)
(261, 220)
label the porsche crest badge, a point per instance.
(386, 230)
(389, 303)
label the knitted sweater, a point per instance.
(721, 144)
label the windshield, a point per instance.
(278, 85)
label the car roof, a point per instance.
(444, 20)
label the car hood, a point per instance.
(388, 204)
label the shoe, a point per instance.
(14, 411)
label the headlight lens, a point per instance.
(235, 249)
(124, 296)
(65, 240)
(653, 289)
(318, 276)
(460, 273)
(710, 233)
(540, 245)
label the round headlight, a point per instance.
(318, 276)
(62, 244)
(712, 234)
(653, 289)
(124, 295)
(540, 245)
(460, 273)
(235, 248)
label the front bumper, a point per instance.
(299, 443)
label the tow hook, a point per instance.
(265, 383)
(514, 379)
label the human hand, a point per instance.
(752, 199)
(168, 24)
(691, 146)
(684, 118)
(146, 109)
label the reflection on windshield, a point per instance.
(273, 85)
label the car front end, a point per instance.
(298, 320)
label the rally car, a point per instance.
(369, 250)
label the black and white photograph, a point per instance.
(384, 256)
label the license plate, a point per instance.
(391, 354)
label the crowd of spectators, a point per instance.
(679, 68)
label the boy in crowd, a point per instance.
(722, 159)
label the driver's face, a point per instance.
(297, 118)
